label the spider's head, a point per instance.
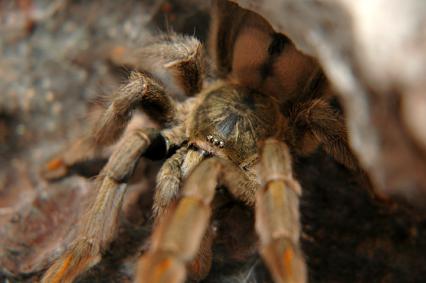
(232, 119)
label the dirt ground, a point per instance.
(56, 58)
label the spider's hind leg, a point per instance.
(316, 123)
(277, 215)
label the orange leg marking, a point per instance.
(60, 274)
(288, 256)
(55, 164)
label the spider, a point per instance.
(263, 102)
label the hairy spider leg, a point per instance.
(169, 179)
(141, 91)
(177, 239)
(315, 122)
(277, 215)
(99, 224)
(169, 65)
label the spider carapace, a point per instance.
(231, 119)
(263, 102)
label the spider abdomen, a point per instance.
(231, 119)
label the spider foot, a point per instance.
(78, 158)
(285, 261)
(54, 169)
(160, 267)
(199, 268)
(80, 257)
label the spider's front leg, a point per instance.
(169, 65)
(277, 215)
(140, 92)
(98, 226)
(177, 238)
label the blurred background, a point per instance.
(57, 57)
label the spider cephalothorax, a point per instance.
(231, 120)
(267, 100)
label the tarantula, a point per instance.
(266, 101)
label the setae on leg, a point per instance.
(98, 226)
(277, 215)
